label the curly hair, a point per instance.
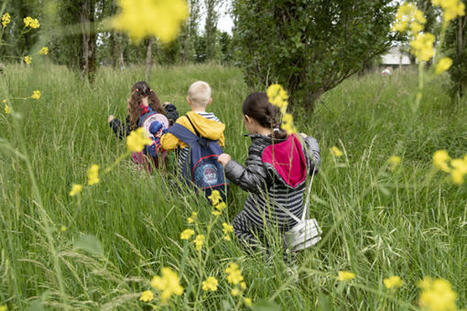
(139, 91)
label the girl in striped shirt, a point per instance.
(274, 173)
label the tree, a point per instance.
(456, 49)
(211, 27)
(309, 46)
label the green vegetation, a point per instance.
(377, 223)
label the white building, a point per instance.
(395, 58)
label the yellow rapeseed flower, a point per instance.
(443, 65)
(409, 17)
(148, 18)
(3, 308)
(146, 296)
(215, 197)
(345, 276)
(7, 109)
(199, 241)
(221, 206)
(137, 139)
(216, 213)
(393, 282)
(235, 292)
(36, 94)
(31, 22)
(440, 160)
(75, 189)
(6, 19)
(210, 284)
(459, 169)
(93, 174)
(336, 151)
(226, 228)
(451, 8)
(192, 218)
(248, 302)
(287, 123)
(168, 283)
(234, 275)
(277, 96)
(243, 285)
(394, 161)
(422, 46)
(44, 51)
(186, 234)
(27, 60)
(437, 295)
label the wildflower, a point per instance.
(168, 283)
(394, 161)
(443, 65)
(75, 189)
(437, 295)
(137, 139)
(345, 276)
(277, 96)
(93, 174)
(234, 275)
(192, 218)
(6, 19)
(44, 51)
(451, 8)
(409, 18)
(31, 22)
(210, 284)
(336, 152)
(7, 109)
(27, 60)
(243, 285)
(215, 197)
(36, 94)
(422, 46)
(4, 101)
(459, 169)
(221, 206)
(216, 213)
(3, 308)
(248, 301)
(63, 228)
(199, 241)
(186, 234)
(235, 292)
(146, 296)
(226, 228)
(147, 18)
(393, 282)
(287, 123)
(440, 159)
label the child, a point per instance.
(144, 110)
(197, 121)
(275, 171)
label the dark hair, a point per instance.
(138, 92)
(258, 107)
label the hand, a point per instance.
(224, 159)
(303, 135)
(111, 117)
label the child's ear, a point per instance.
(209, 101)
(247, 118)
(188, 101)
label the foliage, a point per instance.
(309, 46)
(456, 48)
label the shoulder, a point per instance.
(210, 116)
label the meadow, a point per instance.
(99, 250)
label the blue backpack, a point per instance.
(201, 168)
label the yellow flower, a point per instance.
(192, 218)
(146, 296)
(248, 301)
(93, 174)
(199, 241)
(345, 276)
(443, 65)
(186, 234)
(409, 17)
(243, 285)
(4, 101)
(459, 169)
(75, 189)
(451, 8)
(36, 94)
(216, 213)
(3, 308)
(422, 46)
(393, 282)
(215, 197)
(287, 123)
(168, 283)
(27, 60)
(235, 292)
(437, 295)
(137, 139)
(221, 206)
(440, 159)
(226, 228)
(336, 152)
(6, 19)
(210, 284)
(394, 161)
(234, 275)
(147, 18)
(31, 22)
(277, 96)
(7, 109)
(44, 51)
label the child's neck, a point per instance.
(198, 109)
(263, 131)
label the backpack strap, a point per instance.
(192, 125)
(183, 134)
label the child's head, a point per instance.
(199, 95)
(142, 96)
(259, 113)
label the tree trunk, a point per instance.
(148, 59)
(310, 99)
(88, 35)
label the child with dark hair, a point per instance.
(274, 173)
(144, 110)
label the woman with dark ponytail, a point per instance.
(274, 173)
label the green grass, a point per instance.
(376, 223)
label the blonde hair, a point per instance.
(199, 93)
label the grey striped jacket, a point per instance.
(267, 186)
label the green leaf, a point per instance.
(90, 244)
(264, 305)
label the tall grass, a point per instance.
(377, 222)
